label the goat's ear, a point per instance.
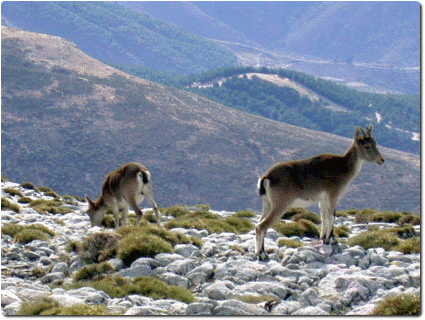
(359, 134)
(369, 130)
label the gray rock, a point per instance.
(175, 280)
(217, 291)
(60, 267)
(185, 249)
(8, 297)
(118, 264)
(144, 311)
(310, 311)
(166, 258)
(52, 277)
(152, 263)
(133, 272)
(286, 307)
(199, 309)
(182, 267)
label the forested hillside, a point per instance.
(395, 117)
(118, 35)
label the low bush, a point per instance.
(37, 306)
(213, 223)
(301, 228)
(24, 200)
(307, 215)
(386, 216)
(118, 287)
(99, 246)
(13, 192)
(412, 245)
(94, 271)
(136, 245)
(289, 243)
(244, 214)
(28, 185)
(27, 233)
(341, 231)
(175, 211)
(9, 205)
(375, 239)
(410, 218)
(78, 310)
(54, 206)
(403, 304)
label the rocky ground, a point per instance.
(309, 280)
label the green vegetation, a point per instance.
(285, 104)
(37, 307)
(375, 239)
(54, 206)
(28, 233)
(213, 223)
(301, 228)
(94, 271)
(9, 205)
(78, 310)
(289, 243)
(147, 241)
(411, 245)
(97, 247)
(118, 287)
(13, 192)
(403, 304)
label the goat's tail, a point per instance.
(261, 187)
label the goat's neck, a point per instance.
(353, 160)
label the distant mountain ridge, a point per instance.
(382, 31)
(67, 120)
(117, 35)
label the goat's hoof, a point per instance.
(263, 256)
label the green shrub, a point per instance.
(43, 206)
(301, 228)
(412, 245)
(99, 246)
(410, 218)
(28, 185)
(364, 216)
(293, 211)
(25, 234)
(213, 223)
(24, 200)
(13, 192)
(289, 243)
(118, 287)
(37, 306)
(28, 235)
(403, 304)
(307, 215)
(175, 211)
(94, 271)
(341, 231)
(375, 239)
(78, 310)
(405, 232)
(136, 245)
(244, 214)
(4, 179)
(386, 216)
(8, 205)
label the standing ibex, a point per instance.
(123, 188)
(323, 179)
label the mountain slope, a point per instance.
(67, 120)
(117, 35)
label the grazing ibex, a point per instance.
(323, 179)
(123, 188)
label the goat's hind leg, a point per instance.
(261, 228)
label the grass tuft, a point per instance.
(37, 306)
(9, 205)
(403, 304)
